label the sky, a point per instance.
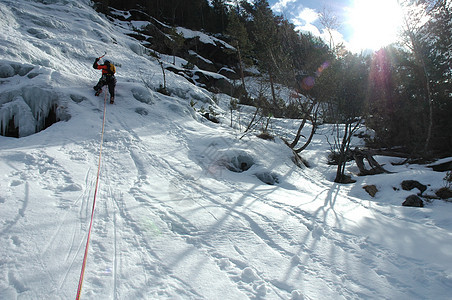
(363, 24)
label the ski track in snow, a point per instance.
(131, 218)
(241, 272)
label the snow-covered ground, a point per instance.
(172, 218)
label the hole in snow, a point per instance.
(141, 111)
(240, 163)
(268, 178)
(77, 98)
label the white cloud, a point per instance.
(308, 28)
(281, 5)
(337, 37)
(304, 23)
(305, 19)
(308, 15)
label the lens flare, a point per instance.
(375, 24)
(308, 83)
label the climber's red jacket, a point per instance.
(104, 68)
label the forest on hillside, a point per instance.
(402, 92)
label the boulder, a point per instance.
(444, 193)
(413, 201)
(371, 189)
(408, 185)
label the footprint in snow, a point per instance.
(317, 232)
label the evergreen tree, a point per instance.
(220, 15)
(415, 13)
(268, 50)
(239, 36)
(396, 101)
(174, 41)
(409, 92)
(438, 51)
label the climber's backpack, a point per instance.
(111, 69)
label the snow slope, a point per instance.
(172, 218)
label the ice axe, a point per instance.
(102, 55)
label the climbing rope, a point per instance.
(85, 257)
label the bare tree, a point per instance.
(331, 23)
(309, 112)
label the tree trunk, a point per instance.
(342, 157)
(272, 88)
(430, 108)
(313, 119)
(344, 149)
(308, 140)
(241, 68)
(298, 135)
(164, 77)
(252, 122)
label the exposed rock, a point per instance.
(211, 118)
(444, 193)
(201, 62)
(211, 81)
(188, 74)
(371, 189)
(266, 136)
(408, 185)
(413, 201)
(216, 52)
(446, 166)
(229, 73)
(214, 83)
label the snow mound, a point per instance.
(27, 103)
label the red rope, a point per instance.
(85, 257)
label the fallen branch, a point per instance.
(376, 168)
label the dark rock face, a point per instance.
(210, 81)
(218, 53)
(408, 185)
(214, 83)
(413, 201)
(231, 74)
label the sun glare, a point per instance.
(375, 23)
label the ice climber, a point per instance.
(108, 78)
